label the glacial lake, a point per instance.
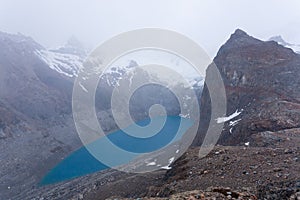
(81, 162)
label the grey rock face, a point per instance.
(262, 81)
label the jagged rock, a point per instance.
(261, 79)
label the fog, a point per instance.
(208, 22)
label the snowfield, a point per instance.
(67, 64)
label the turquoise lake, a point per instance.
(81, 162)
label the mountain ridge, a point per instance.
(262, 87)
(281, 41)
(260, 78)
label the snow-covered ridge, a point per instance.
(296, 48)
(67, 64)
(281, 41)
(67, 59)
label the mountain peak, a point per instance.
(73, 47)
(240, 33)
(74, 43)
(239, 39)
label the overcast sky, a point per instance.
(208, 22)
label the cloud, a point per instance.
(208, 22)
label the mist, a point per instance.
(208, 22)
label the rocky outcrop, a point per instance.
(262, 82)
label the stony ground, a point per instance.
(242, 172)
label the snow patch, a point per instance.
(151, 164)
(167, 167)
(171, 160)
(225, 119)
(82, 87)
(63, 63)
(186, 97)
(235, 122)
(184, 116)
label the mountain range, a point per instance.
(261, 79)
(36, 122)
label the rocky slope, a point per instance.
(228, 172)
(36, 124)
(36, 130)
(261, 82)
(262, 86)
